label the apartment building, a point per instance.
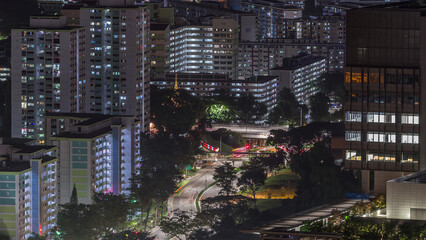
(98, 153)
(259, 58)
(263, 88)
(28, 188)
(117, 58)
(48, 73)
(301, 74)
(206, 48)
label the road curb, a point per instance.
(197, 201)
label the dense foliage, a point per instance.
(288, 109)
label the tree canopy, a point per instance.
(287, 111)
(175, 111)
(319, 105)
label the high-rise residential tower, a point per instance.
(204, 48)
(117, 56)
(47, 73)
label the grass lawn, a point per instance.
(280, 186)
(216, 143)
(266, 204)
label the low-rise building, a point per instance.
(28, 188)
(405, 197)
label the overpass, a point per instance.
(254, 134)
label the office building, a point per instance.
(263, 88)
(48, 73)
(117, 59)
(258, 58)
(207, 48)
(28, 188)
(98, 153)
(301, 74)
(385, 66)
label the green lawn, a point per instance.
(281, 186)
(216, 143)
(266, 204)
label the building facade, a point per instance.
(28, 188)
(301, 74)
(210, 48)
(263, 88)
(272, 15)
(160, 39)
(259, 58)
(98, 153)
(384, 105)
(47, 73)
(117, 57)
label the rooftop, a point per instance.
(24, 149)
(14, 166)
(418, 177)
(158, 26)
(83, 135)
(298, 61)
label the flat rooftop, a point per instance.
(418, 177)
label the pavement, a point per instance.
(185, 198)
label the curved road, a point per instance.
(185, 199)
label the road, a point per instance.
(185, 199)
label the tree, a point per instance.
(180, 224)
(35, 236)
(4, 237)
(273, 162)
(249, 109)
(128, 235)
(332, 84)
(319, 107)
(319, 176)
(74, 197)
(75, 221)
(225, 176)
(252, 177)
(287, 110)
(175, 111)
(111, 212)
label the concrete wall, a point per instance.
(380, 179)
(406, 200)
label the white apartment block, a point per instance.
(117, 69)
(204, 48)
(47, 73)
